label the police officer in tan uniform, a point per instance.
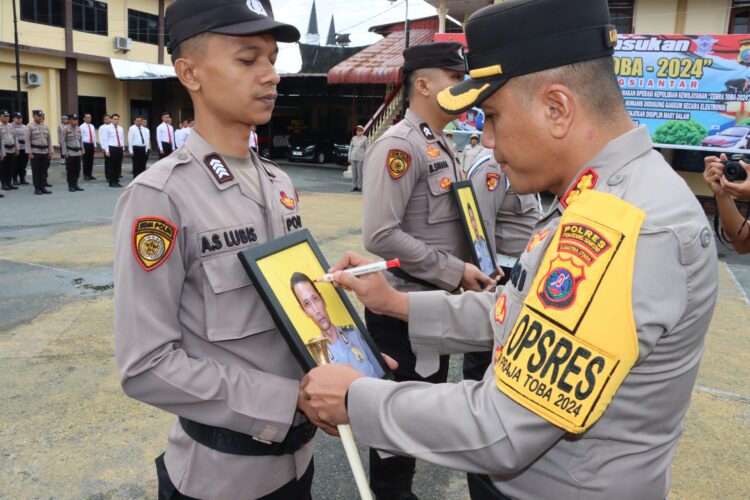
(39, 148)
(8, 151)
(356, 157)
(598, 340)
(71, 148)
(192, 335)
(19, 176)
(511, 218)
(410, 214)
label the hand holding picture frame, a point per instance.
(476, 234)
(316, 319)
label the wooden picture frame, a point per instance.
(283, 272)
(473, 223)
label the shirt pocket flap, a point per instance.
(226, 273)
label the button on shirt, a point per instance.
(138, 136)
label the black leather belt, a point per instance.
(10, 145)
(237, 443)
(44, 146)
(21, 142)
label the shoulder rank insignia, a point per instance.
(287, 201)
(433, 151)
(493, 180)
(153, 241)
(426, 131)
(218, 167)
(398, 163)
(587, 180)
(536, 239)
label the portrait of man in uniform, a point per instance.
(474, 227)
(316, 319)
(344, 344)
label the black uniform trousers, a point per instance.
(88, 160)
(107, 169)
(296, 489)
(115, 165)
(73, 170)
(39, 168)
(391, 478)
(7, 168)
(167, 148)
(21, 161)
(140, 157)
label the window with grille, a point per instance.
(50, 12)
(90, 16)
(621, 15)
(143, 27)
(739, 20)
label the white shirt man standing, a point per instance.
(88, 136)
(113, 149)
(139, 144)
(165, 136)
(103, 133)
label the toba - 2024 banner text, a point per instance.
(691, 91)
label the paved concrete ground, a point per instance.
(67, 431)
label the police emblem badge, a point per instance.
(397, 162)
(445, 183)
(153, 241)
(287, 201)
(558, 288)
(493, 180)
(536, 239)
(587, 180)
(500, 310)
(433, 151)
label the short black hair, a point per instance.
(106, 115)
(115, 114)
(298, 278)
(165, 113)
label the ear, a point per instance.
(422, 85)
(560, 110)
(187, 73)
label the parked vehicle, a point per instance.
(317, 150)
(733, 137)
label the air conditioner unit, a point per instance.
(123, 43)
(33, 79)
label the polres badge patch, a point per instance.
(493, 181)
(558, 288)
(153, 241)
(397, 162)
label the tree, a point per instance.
(684, 133)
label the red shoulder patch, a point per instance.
(397, 162)
(153, 241)
(287, 201)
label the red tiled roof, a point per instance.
(381, 62)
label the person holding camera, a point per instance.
(728, 181)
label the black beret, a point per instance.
(17, 114)
(64, 117)
(519, 37)
(4, 112)
(187, 18)
(37, 112)
(447, 55)
(73, 116)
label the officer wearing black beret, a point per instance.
(410, 170)
(192, 336)
(598, 336)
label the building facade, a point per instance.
(66, 47)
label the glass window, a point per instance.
(90, 16)
(739, 20)
(621, 15)
(143, 27)
(50, 12)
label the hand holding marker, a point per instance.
(366, 269)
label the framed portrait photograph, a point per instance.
(317, 320)
(476, 234)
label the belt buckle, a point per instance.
(262, 440)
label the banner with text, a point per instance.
(691, 91)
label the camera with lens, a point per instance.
(733, 170)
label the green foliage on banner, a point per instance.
(686, 133)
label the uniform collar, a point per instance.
(603, 167)
(424, 130)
